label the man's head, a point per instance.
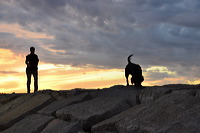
(32, 49)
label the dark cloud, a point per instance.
(8, 72)
(15, 44)
(105, 32)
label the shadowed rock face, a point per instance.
(91, 112)
(162, 109)
(59, 126)
(14, 103)
(30, 124)
(175, 112)
(25, 108)
(61, 103)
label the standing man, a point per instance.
(32, 69)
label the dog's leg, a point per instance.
(127, 82)
(126, 75)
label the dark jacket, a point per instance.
(32, 62)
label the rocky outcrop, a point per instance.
(62, 102)
(5, 98)
(59, 126)
(14, 103)
(91, 112)
(31, 124)
(150, 94)
(128, 93)
(118, 109)
(169, 113)
(26, 108)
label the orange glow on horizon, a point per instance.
(56, 77)
(64, 77)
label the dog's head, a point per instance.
(137, 80)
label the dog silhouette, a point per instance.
(135, 71)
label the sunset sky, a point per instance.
(85, 43)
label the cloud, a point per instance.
(103, 33)
(8, 72)
(8, 85)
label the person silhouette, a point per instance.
(32, 69)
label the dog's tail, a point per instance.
(129, 58)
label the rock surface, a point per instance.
(91, 112)
(31, 124)
(26, 108)
(61, 103)
(4, 98)
(14, 103)
(118, 109)
(126, 92)
(58, 126)
(170, 113)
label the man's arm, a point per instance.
(27, 62)
(37, 60)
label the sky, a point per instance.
(85, 43)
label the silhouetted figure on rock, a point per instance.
(32, 69)
(136, 72)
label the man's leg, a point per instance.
(35, 75)
(28, 74)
